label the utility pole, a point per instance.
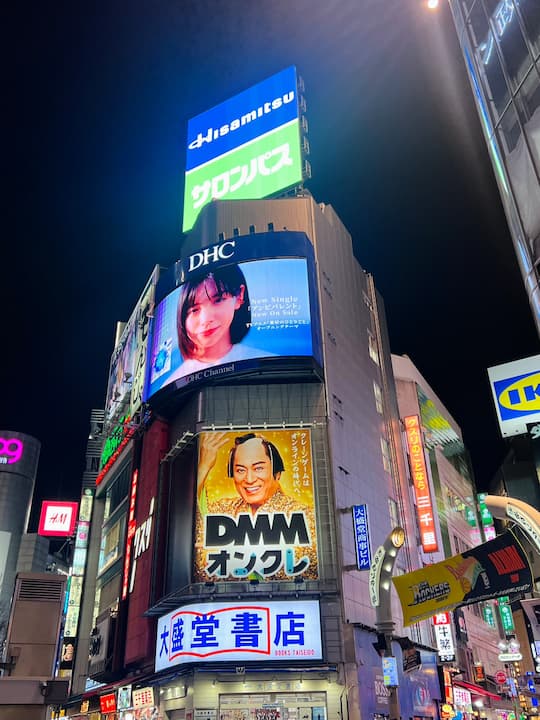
(380, 576)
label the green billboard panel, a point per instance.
(261, 168)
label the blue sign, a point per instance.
(242, 118)
(361, 537)
(223, 632)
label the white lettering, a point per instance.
(245, 119)
(211, 254)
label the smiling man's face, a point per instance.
(252, 471)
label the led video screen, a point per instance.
(228, 317)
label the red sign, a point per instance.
(57, 518)
(424, 506)
(500, 677)
(442, 618)
(130, 533)
(107, 703)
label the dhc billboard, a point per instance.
(246, 148)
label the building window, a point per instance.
(372, 344)
(270, 227)
(385, 449)
(378, 397)
(221, 237)
(236, 232)
(110, 545)
(252, 229)
(394, 512)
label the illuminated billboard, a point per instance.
(128, 362)
(420, 478)
(497, 567)
(57, 518)
(246, 148)
(236, 306)
(516, 393)
(239, 632)
(255, 514)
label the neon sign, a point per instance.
(502, 17)
(10, 450)
(130, 532)
(424, 506)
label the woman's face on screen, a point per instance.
(209, 318)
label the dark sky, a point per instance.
(98, 97)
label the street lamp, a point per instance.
(380, 577)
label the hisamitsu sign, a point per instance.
(239, 632)
(248, 147)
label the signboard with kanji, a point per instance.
(422, 493)
(361, 537)
(239, 632)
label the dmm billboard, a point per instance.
(246, 148)
(255, 506)
(236, 306)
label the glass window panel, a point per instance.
(529, 96)
(517, 58)
(478, 24)
(509, 130)
(498, 92)
(530, 13)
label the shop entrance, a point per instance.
(273, 706)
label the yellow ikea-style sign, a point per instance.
(523, 394)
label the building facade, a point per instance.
(19, 457)
(500, 40)
(212, 600)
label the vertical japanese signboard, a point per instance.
(255, 506)
(424, 504)
(239, 632)
(361, 537)
(442, 626)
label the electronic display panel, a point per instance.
(255, 507)
(238, 306)
(245, 148)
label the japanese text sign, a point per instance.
(361, 537)
(247, 147)
(442, 626)
(255, 506)
(143, 697)
(223, 632)
(107, 703)
(424, 505)
(57, 518)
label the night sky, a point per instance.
(97, 100)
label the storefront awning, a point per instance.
(476, 689)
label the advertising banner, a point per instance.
(57, 518)
(516, 393)
(361, 536)
(239, 632)
(235, 306)
(420, 478)
(255, 506)
(495, 568)
(247, 147)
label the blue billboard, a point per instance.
(233, 307)
(246, 148)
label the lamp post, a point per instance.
(380, 576)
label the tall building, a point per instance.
(19, 456)
(232, 575)
(500, 40)
(476, 629)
